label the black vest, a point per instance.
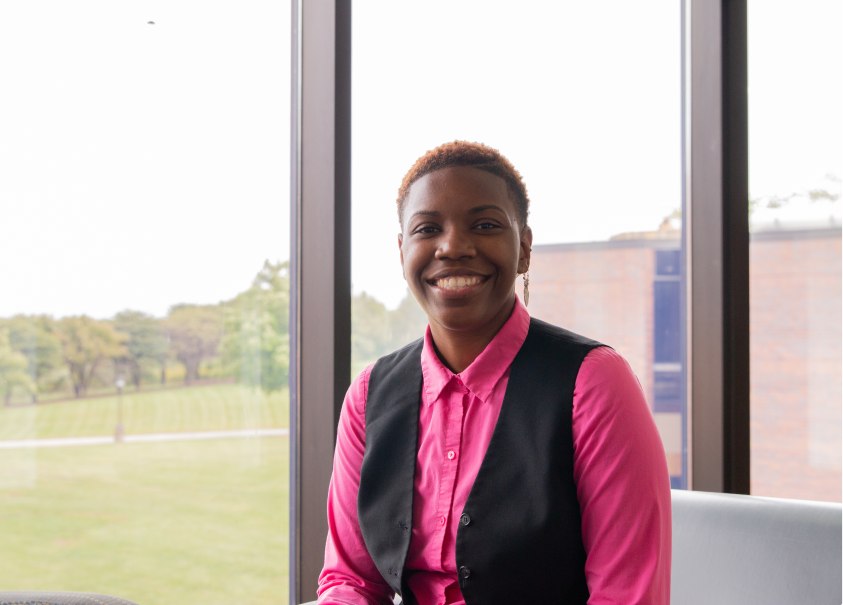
(520, 534)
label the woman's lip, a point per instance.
(456, 273)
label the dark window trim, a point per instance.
(320, 313)
(717, 233)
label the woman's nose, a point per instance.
(455, 244)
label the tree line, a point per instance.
(245, 338)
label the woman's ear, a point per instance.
(525, 249)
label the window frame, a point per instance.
(715, 256)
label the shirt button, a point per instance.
(451, 455)
(465, 519)
(465, 572)
(442, 520)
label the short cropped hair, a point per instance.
(474, 155)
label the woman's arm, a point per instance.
(349, 576)
(622, 485)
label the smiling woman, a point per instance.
(499, 458)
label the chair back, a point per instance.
(744, 550)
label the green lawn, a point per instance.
(201, 408)
(159, 523)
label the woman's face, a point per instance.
(462, 247)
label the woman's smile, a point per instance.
(457, 283)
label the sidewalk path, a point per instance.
(148, 438)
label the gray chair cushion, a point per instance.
(745, 550)
(30, 597)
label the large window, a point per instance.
(589, 110)
(795, 160)
(144, 178)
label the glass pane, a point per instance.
(795, 160)
(144, 173)
(588, 109)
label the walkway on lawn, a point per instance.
(148, 438)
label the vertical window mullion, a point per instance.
(320, 356)
(718, 245)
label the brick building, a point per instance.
(627, 292)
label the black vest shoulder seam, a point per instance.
(400, 353)
(546, 329)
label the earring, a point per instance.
(526, 288)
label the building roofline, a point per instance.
(779, 234)
(674, 244)
(656, 244)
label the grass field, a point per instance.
(179, 522)
(202, 408)
(198, 522)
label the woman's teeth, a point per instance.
(455, 283)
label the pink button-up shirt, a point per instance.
(619, 468)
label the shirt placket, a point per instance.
(451, 451)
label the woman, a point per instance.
(499, 459)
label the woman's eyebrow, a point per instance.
(425, 213)
(478, 209)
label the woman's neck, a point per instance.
(457, 349)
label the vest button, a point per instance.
(465, 572)
(465, 519)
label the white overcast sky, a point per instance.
(146, 165)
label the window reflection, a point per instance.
(795, 95)
(143, 322)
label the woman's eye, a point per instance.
(485, 226)
(425, 229)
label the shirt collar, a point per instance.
(484, 373)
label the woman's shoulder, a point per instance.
(355, 397)
(606, 361)
(551, 332)
(409, 351)
(399, 365)
(358, 392)
(606, 376)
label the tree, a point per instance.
(13, 366)
(195, 332)
(406, 323)
(256, 345)
(369, 328)
(35, 338)
(376, 331)
(812, 195)
(147, 342)
(85, 344)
